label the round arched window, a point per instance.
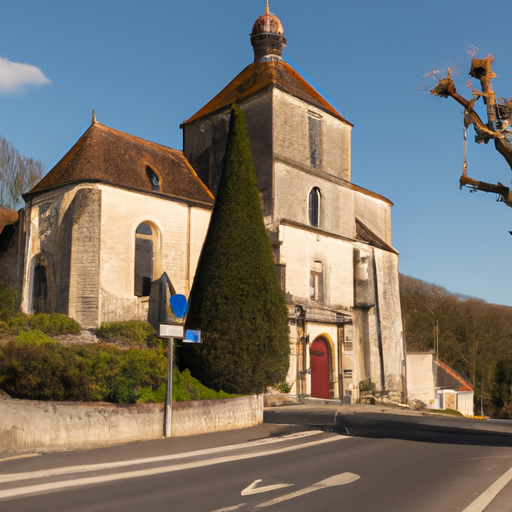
(145, 239)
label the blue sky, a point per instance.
(146, 66)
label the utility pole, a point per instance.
(436, 339)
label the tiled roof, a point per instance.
(105, 155)
(448, 378)
(255, 77)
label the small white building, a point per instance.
(436, 385)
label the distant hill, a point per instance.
(469, 334)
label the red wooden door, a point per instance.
(319, 358)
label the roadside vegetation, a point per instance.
(127, 366)
(470, 335)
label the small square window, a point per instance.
(316, 286)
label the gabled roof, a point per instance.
(105, 155)
(255, 77)
(448, 378)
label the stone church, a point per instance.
(117, 211)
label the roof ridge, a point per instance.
(106, 155)
(255, 77)
(130, 136)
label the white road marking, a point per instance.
(490, 493)
(102, 479)
(110, 465)
(229, 509)
(341, 479)
(253, 489)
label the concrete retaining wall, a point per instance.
(28, 426)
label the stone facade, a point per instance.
(79, 255)
(84, 236)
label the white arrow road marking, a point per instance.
(341, 479)
(252, 489)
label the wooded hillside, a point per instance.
(470, 335)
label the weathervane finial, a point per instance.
(267, 10)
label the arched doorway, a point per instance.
(319, 362)
(40, 290)
(42, 286)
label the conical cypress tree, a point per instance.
(235, 299)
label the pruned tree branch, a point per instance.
(499, 118)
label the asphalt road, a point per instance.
(263, 469)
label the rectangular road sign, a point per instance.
(192, 336)
(171, 331)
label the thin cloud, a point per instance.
(14, 76)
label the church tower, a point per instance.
(331, 239)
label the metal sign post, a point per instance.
(170, 332)
(168, 397)
(167, 314)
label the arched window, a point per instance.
(314, 207)
(153, 178)
(145, 238)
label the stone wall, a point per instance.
(84, 236)
(28, 426)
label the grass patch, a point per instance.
(448, 412)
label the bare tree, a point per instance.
(499, 118)
(18, 174)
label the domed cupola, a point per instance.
(267, 38)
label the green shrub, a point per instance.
(19, 322)
(185, 388)
(7, 302)
(138, 369)
(147, 394)
(132, 332)
(36, 338)
(53, 324)
(36, 368)
(56, 323)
